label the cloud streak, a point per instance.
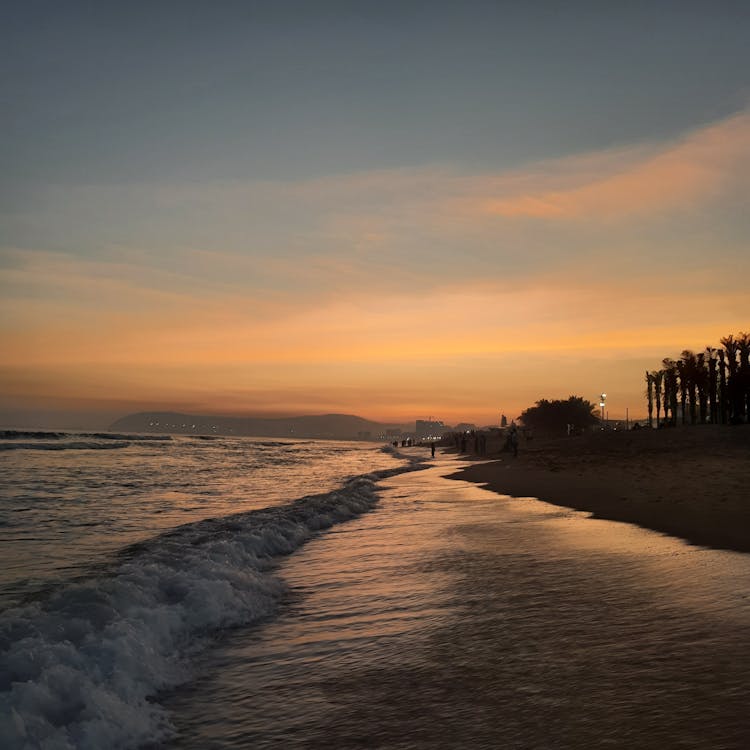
(678, 177)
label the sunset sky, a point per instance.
(397, 210)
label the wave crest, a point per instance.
(80, 668)
(78, 445)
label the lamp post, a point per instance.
(602, 404)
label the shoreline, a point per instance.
(690, 482)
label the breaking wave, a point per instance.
(62, 441)
(83, 666)
(76, 445)
(50, 435)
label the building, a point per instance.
(429, 428)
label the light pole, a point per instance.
(602, 404)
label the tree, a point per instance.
(683, 386)
(658, 378)
(650, 397)
(743, 377)
(712, 385)
(722, 389)
(553, 416)
(690, 373)
(701, 383)
(732, 347)
(670, 389)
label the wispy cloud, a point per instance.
(392, 230)
(676, 177)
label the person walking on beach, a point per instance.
(513, 437)
(432, 447)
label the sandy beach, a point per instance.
(449, 618)
(687, 482)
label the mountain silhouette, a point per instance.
(332, 426)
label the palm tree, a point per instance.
(743, 346)
(658, 378)
(731, 346)
(668, 386)
(712, 385)
(690, 370)
(670, 389)
(701, 384)
(650, 396)
(743, 396)
(683, 386)
(722, 387)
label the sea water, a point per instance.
(274, 594)
(123, 555)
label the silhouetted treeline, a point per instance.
(555, 415)
(698, 388)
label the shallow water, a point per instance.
(393, 610)
(451, 617)
(66, 507)
(123, 559)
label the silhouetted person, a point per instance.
(513, 438)
(432, 448)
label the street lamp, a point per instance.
(602, 404)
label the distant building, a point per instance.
(394, 432)
(429, 428)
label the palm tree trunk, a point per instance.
(743, 396)
(713, 416)
(722, 388)
(701, 384)
(731, 347)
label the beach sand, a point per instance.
(450, 617)
(689, 482)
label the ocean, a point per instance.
(236, 593)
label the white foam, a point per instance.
(40, 445)
(80, 668)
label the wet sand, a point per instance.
(687, 482)
(450, 618)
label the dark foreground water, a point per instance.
(452, 618)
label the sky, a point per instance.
(396, 210)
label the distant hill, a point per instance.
(332, 426)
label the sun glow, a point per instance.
(399, 296)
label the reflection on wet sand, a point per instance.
(453, 617)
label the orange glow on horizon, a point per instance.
(413, 292)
